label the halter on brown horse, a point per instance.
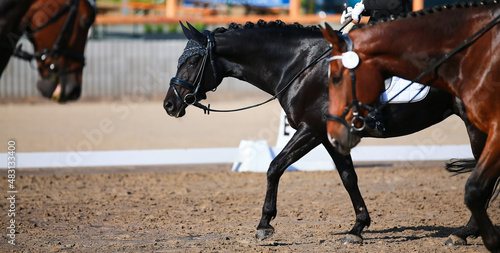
(58, 30)
(408, 47)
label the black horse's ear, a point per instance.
(198, 36)
(187, 32)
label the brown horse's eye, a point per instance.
(336, 80)
(85, 22)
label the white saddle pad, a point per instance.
(395, 84)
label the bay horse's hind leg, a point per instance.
(303, 141)
(479, 187)
(350, 180)
(477, 140)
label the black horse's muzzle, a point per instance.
(176, 104)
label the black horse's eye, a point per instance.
(193, 61)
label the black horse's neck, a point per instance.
(11, 14)
(7, 46)
(267, 57)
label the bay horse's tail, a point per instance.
(460, 166)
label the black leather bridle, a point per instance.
(358, 122)
(60, 45)
(191, 97)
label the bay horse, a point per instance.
(58, 30)
(268, 55)
(427, 46)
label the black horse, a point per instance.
(286, 62)
(11, 13)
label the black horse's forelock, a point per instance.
(263, 24)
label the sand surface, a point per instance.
(207, 208)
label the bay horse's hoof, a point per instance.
(352, 239)
(263, 234)
(454, 240)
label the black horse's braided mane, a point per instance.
(7, 4)
(428, 11)
(263, 24)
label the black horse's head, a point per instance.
(196, 72)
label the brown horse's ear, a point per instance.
(331, 35)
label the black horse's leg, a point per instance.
(303, 141)
(477, 140)
(477, 137)
(350, 180)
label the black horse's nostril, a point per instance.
(169, 106)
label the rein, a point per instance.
(358, 123)
(190, 98)
(207, 109)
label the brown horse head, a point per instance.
(348, 114)
(58, 30)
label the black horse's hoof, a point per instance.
(454, 240)
(352, 239)
(263, 234)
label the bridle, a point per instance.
(60, 45)
(191, 97)
(350, 61)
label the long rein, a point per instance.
(207, 109)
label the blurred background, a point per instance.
(133, 40)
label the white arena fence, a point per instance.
(114, 67)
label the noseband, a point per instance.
(191, 97)
(58, 49)
(350, 60)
